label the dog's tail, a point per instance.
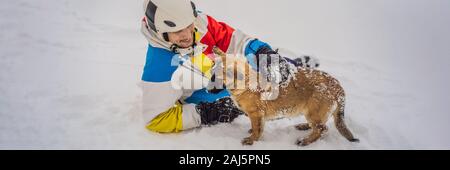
(339, 120)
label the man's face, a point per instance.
(183, 38)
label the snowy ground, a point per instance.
(69, 72)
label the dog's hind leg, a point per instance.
(303, 126)
(317, 116)
(257, 129)
(316, 133)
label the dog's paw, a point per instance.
(355, 140)
(302, 142)
(247, 141)
(303, 126)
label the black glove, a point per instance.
(222, 110)
(302, 61)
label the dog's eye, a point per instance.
(230, 73)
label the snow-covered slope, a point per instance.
(69, 72)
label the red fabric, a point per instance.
(219, 34)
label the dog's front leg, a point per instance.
(257, 129)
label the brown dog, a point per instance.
(313, 93)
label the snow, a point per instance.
(69, 72)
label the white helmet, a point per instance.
(165, 16)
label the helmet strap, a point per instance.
(166, 36)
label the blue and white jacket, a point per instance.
(168, 106)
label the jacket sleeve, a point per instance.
(228, 39)
(234, 41)
(163, 113)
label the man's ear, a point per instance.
(213, 87)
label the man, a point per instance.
(175, 29)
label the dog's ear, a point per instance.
(220, 53)
(265, 86)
